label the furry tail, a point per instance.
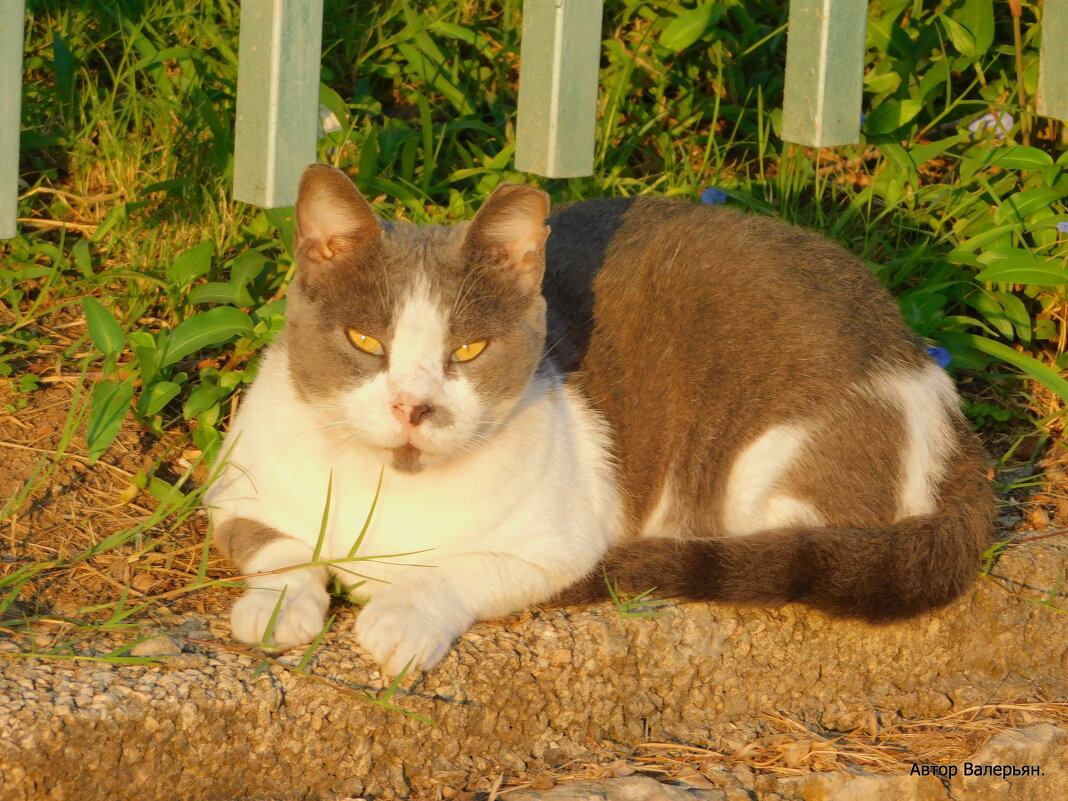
(908, 567)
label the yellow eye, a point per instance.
(365, 343)
(466, 353)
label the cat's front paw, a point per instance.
(299, 620)
(399, 634)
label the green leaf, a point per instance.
(1036, 276)
(887, 117)
(211, 327)
(1019, 266)
(82, 258)
(212, 292)
(104, 330)
(921, 154)
(206, 395)
(192, 264)
(689, 26)
(244, 269)
(63, 63)
(147, 351)
(971, 27)
(1046, 376)
(109, 405)
(1019, 157)
(1016, 312)
(157, 396)
(1018, 205)
(993, 312)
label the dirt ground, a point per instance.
(75, 505)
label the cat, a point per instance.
(655, 395)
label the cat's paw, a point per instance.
(397, 634)
(299, 620)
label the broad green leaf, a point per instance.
(1018, 205)
(1019, 157)
(192, 264)
(212, 292)
(962, 321)
(243, 270)
(454, 31)
(1037, 276)
(689, 26)
(993, 313)
(104, 330)
(936, 76)
(167, 494)
(898, 156)
(1019, 266)
(82, 259)
(965, 250)
(157, 396)
(1046, 376)
(211, 327)
(971, 27)
(921, 154)
(147, 352)
(332, 100)
(1017, 314)
(64, 65)
(108, 407)
(206, 395)
(890, 115)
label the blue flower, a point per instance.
(1062, 227)
(714, 197)
(941, 356)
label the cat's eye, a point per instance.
(466, 353)
(366, 343)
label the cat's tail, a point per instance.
(911, 566)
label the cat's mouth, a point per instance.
(407, 459)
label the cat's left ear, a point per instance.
(510, 230)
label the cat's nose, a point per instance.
(411, 411)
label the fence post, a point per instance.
(277, 98)
(1052, 100)
(558, 71)
(824, 72)
(12, 25)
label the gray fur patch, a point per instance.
(240, 539)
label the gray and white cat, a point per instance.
(660, 394)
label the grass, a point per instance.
(137, 281)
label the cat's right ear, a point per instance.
(333, 219)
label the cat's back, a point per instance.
(696, 330)
(672, 272)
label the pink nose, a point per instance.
(409, 411)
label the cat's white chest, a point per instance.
(543, 482)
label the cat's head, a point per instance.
(416, 342)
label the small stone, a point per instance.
(157, 646)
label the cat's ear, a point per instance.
(333, 219)
(510, 230)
